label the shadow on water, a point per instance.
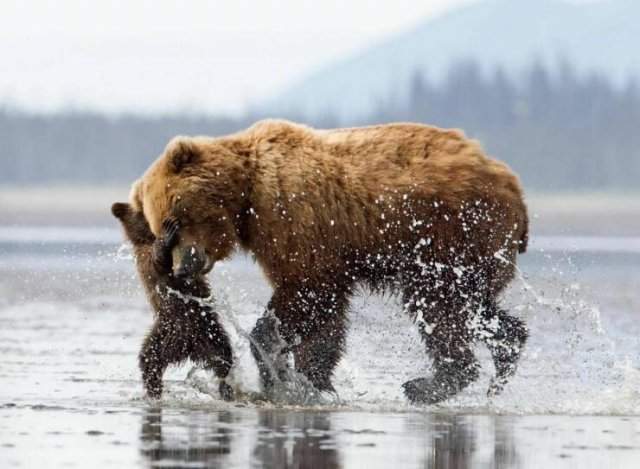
(278, 438)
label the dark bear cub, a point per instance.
(185, 327)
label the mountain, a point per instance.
(511, 34)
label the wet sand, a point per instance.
(551, 214)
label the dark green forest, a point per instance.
(560, 131)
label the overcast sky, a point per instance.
(164, 55)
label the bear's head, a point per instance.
(202, 182)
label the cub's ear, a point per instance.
(182, 152)
(120, 209)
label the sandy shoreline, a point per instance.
(591, 214)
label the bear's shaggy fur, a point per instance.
(184, 328)
(417, 209)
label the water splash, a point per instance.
(290, 387)
(124, 253)
(578, 359)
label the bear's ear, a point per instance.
(180, 153)
(120, 209)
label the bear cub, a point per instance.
(185, 326)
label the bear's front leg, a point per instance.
(309, 322)
(269, 351)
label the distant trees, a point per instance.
(89, 148)
(560, 131)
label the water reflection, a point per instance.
(505, 450)
(277, 438)
(295, 440)
(177, 443)
(464, 442)
(451, 443)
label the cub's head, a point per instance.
(201, 182)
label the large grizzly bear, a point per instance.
(406, 207)
(183, 329)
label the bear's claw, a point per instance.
(170, 229)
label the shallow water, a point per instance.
(72, 317)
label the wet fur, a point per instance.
(183, 330)
(410, 207)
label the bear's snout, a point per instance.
(188, 261)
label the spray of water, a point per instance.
(290, 387)
(571, 363)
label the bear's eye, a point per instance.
(179, 207)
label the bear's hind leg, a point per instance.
(505, 337)
(448, 342)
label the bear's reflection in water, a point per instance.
(455, 442)
(170, 443)
(278, 438)
(298, 439)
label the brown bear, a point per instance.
(185, 328)
(406, 207)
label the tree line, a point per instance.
(561, 131)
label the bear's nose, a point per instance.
(189, 261)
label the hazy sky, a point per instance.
(163, 55)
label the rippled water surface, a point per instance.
(72, 317)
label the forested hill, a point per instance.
(559, 131)
(596, 36)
